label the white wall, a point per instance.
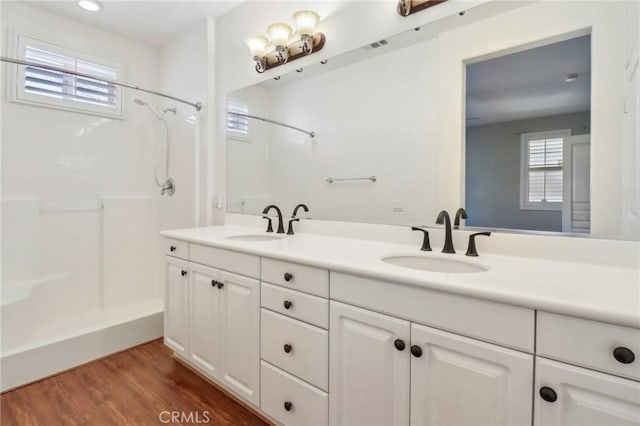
(58, 159)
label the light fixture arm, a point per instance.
(303, 47)
(409, 7)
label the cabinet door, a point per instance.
(204, 314)
(176, 305)
(240, 335)
(583, 397)
(459, 381)
(369, 376)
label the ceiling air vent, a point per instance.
(377, 44)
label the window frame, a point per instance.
(525, 138)
(234, 134)
(18, 94)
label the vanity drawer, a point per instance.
(302, 306)
(307, 346)
(506, 325)
(227, 260)
(589, 344)
(309, 405)
(176, 248)
(298, 277)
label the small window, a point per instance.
(237, 125)
(57, 89)
(541, 170)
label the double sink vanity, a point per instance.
(313, 330)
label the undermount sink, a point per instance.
(254, 237)
(433, 264)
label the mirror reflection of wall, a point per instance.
(527, 139)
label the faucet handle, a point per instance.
(471, 249)
(269, 226)
(426, 246)
(290, 230)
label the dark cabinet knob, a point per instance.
(399, 344)
(416, 351)
(288, 405)
(288, 277)
(183, 273)
(287, 304)
(548, 394)
(220, 285)
(173, 248)
(624, 355)
(214, 283)
(287, 348)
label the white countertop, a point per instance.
(601, 293)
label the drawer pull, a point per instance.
(220, 285)
(416, 351)
(287, 304)
(624, 355)
(214, 283)
(288, 277)
(287, 348)
(288, 405)
(548, 394)
(399, 344)
(183, 273)
(173, 248)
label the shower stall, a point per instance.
(83, 199)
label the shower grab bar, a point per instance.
(277, 123)
(331, 180)
(95, 207)
(196, 105)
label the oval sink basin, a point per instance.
(433, 264)
(252, 237)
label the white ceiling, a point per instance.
(530, 83)
(152, 21)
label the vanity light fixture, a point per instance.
(90, 5)
(278, 49)
(409, 7)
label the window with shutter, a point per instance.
(541, 170)
(237, 125)
(57, 89)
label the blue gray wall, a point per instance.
(492, 175)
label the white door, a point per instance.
(240, 335)
(583, 397)
(457, 381)
(368, 372)
(576, 181)
(204, 314)
(176, 305)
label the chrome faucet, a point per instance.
(443, 218)
(280, 224)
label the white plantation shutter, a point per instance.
(542, 170)
(237, 126)
(59, 89)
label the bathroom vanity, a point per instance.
(312, 330)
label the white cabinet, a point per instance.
(369, 376)
(375, 360)
(239, 323)
(574, 396)
(460, 381)
(176, 304)
(204, 314)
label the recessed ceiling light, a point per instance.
(90, 5)
(570, 78)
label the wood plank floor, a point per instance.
(128, 388)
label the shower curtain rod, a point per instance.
(197, 105)
(277, 123)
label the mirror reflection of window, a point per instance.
(524, 111)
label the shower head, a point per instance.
(145, 103)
